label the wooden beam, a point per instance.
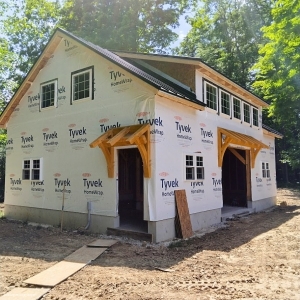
(248, 176)
(118, 136)
(237, 155)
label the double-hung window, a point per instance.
(255, 116)
(225, 103)
(211, 96)
(247, 113)
(49, 94)
(236, 108)
(194, 169)
(265, 170)
(32, 169)
(83, 84)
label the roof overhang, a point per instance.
(228, 138)
(272, 134)
(206, 70)
(138, 135)
(26, 84)
(179, 100)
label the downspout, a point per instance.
(89, 208)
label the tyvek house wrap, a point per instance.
(61, 135)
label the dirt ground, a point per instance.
(254, 257)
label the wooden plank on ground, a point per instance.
(102, 243)
(183, 214)
(85, 254)
(55, 274)
(25, 294)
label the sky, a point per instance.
(182, 31)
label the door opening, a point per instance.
(236, 177)
(131, 189)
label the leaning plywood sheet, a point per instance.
(55, 274)
(183, 218)
(25, 294)
(102, 243)
(85, 254)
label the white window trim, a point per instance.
(220, 104)
(267, 173)
(55, 94)
(217, 96)
(250, 119)
(241, 106)
(194, 155)
(31, 169)
(77, 73)
(252, 109)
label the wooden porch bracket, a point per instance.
(138, 135)
(229, 137)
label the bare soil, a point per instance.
(254, 257)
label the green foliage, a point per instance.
(28, 26)
(226, 35)
(278, 76)
(131, 25)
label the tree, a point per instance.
(226, 35)
(278, 76)
(28, 25)
(131, 25)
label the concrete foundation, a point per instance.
(262, 204)
(71, 220)
(165, 229)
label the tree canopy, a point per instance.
(226, 35)
(278, 74)
(131, 25)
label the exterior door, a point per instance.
(130, 170)
(234, 178)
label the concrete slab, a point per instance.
(55, 274)
(85, 254)
(102, 243)
(25, 294)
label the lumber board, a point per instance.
(85, 254)
(183, 214)
(25, 294)
(55, 274)
(102, 243)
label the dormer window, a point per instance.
(247, 113)
(255, 116)
(225, 103)
(236, 108)
(211, 96)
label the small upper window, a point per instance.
(225, 103)
(211, 96)
(255, 116)
(265, 170)
(82, 85)
(194, 169)
(31, 169)
(246, 113)
(49, 94)
(236, 108)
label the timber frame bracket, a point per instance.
(227, 137)
(138, 135)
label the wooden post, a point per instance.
(62, 210)
(248, 175)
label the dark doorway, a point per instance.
(130, 178)
(234, 178)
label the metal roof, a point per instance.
(280, 135)
(142, 72)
